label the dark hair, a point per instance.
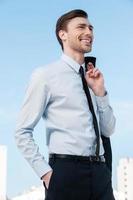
(64, 20)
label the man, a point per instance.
(56, 92)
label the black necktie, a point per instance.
(95, 123)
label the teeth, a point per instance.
(86, 40)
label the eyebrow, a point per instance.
(90, 26)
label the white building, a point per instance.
(118, 195)
(125, 178)
(3, 171)
(35, 193)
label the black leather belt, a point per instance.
(78, 158)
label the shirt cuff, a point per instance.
(41, 168)
(102, 102)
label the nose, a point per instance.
(89, 31)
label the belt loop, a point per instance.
(54, 157)
(90, 158)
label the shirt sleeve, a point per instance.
(36, 99)
(107, 120)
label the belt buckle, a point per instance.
(96, 159)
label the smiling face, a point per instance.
(78, 36)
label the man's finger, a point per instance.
(90, 66)
(97, 73)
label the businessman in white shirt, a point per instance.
(55, 93)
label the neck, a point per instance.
(77, 56)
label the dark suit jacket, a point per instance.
(108, 151)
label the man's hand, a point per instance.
(46, 178)
(95, 80)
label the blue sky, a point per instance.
(27, 40)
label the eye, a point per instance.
(81, 27)
(91, 28)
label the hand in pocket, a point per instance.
(47, 178)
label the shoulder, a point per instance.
(47, 69)
(44, 72)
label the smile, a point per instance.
(86, 40)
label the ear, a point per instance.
(63, 35)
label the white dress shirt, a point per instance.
(55, 92)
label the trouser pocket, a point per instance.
(51, 163)
(50, 182)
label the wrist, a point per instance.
(100, 92)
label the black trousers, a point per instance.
(79, 180)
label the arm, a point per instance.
(36, 99)
(95, 81)
(106, 118)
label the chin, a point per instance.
(87, 50)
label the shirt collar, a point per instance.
(72, 63)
